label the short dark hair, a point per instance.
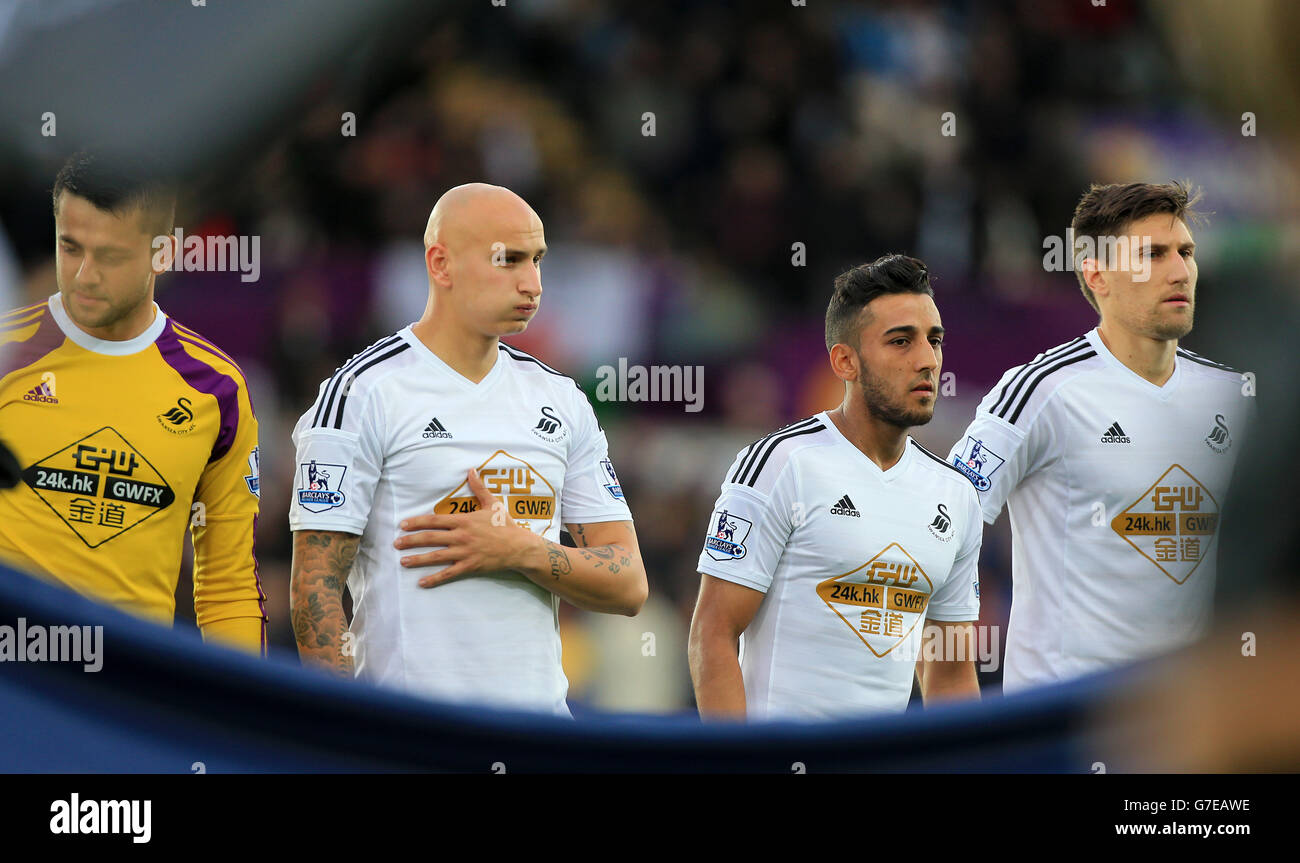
(118, 185)
(1108, 210)
(855, 288)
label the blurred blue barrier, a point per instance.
(163, 701)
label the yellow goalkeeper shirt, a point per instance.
(123, 445)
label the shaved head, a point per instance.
(483, 248)
(465, 211)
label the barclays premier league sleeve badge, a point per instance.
(611, 479)
(319, 486)
(727, 537)
(978, 463)
(254, 477)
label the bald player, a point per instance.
(433, 474)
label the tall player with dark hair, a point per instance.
(1113, 452)
(838, 538)
(128, 426)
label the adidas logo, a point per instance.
(435, 429)
(1115, 434)
(42, 392)
(845, 507)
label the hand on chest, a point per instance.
(520, 454)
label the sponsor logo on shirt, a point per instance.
(1218, 439)
(178, 419)
(320, 485)
(941, 526)
(844, 506)
(612, 484)
(527, 495)
(1172, 523)
(978, 463)
(550, 428)
(100, 486)
(727, 540)
(881, 601)
(1115, 434)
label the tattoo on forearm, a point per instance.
(598, 555)
(560, 564)
(321, 562)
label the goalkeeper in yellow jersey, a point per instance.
(128, 427)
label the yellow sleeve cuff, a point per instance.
(244, 633)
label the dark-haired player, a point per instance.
(838, 537)
(1113, 453)
(123, 421)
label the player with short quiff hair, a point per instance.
(838, 538)
(1113, 453)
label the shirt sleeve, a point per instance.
(958, 598)
(748, 531)
(229, 604)
(997, 456)
(592, 492)
(336, 469)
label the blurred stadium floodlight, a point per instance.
(183, 83)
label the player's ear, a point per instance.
(1095, 277)
(844, 362)
(437, 262)
(163, 250)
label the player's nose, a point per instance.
(928, 358)
(87, 274)
(532, 286)
(1179, 271)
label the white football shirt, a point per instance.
(392, 435)
(1114, 487)
(851, 559)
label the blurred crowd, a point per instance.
(703, 170)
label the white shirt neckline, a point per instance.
(83, 339)
(1161, 392)
(887, 475)
(438, 362)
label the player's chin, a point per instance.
(513, 327)
(100, 317)
(921, 411)
(1173, 326)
